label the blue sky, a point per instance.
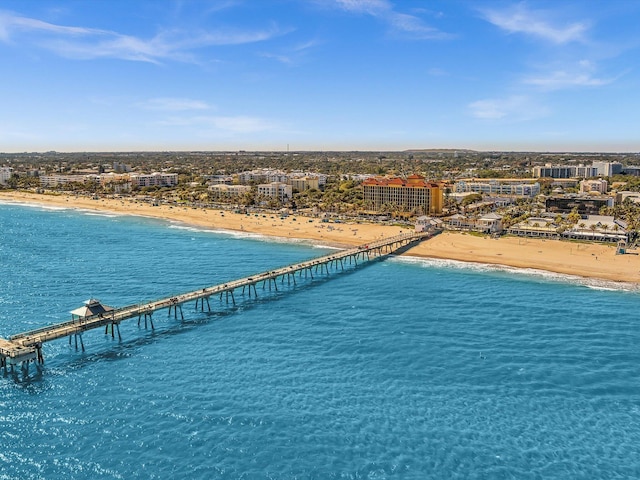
(375, 75)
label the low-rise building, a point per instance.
(262, 175)
(428, 224)
(121, 168)
(487, 223)
(50, 181)
(583, 204)
(304, 183)
(228, 191)
(598, 228)
(299, 180)
(218, 179)
(120, 183)
(278, 190)
(624, 195)
(495, 186)
(155, 179)
(535, 227)
(595, 185)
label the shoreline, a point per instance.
(585, 260)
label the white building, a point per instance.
(304, 183)
(119, 182)
(607, 169)
(599, 186)
(278, 190)
(228, 191)
(5, 174)
(219, 179)
(598, 228)
(313, 178)
(564, 171)
(263, 175)
(535, 227)
(155, 179)
(488, 223)
(428, 224)
(632, 196)
(55, 180)
(498, 187)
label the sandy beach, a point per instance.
(590, 260)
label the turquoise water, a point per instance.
(403, 369)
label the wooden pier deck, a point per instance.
(24, 348)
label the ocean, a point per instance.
(400, 369)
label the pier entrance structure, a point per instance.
(25, 348)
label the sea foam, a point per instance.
(594, 283)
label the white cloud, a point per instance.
(174, 104)
(537, 23)
(567, 75)
(228, 124)
(560, 79)
(515, 107)
(414, 26)
(371, 7)
(10, 23)
(293, 54)
(286, 59)
(437, 72)
(386, 11)
(241, 124)
(89, 43)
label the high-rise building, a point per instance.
(607, 169)
(564, 171)
(413, 194)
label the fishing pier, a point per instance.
(25, 348)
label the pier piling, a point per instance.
(23, 348)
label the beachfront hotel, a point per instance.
(413, 194)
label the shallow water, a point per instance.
(405, 368)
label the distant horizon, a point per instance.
(408, 150)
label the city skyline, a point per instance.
(319, 75)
